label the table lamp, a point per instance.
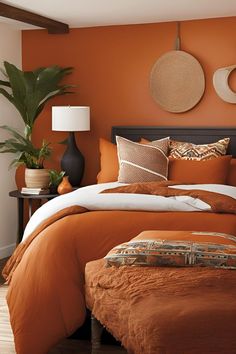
(71, 119)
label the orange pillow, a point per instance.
(109, 162)
(231, 178)
(206, 171)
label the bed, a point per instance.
(46, 273)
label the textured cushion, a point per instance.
(189, 151)
(176, 248)
(141, 163)
(206, 171)
(109, 160)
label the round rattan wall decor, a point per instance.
(177, 81)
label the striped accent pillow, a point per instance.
(189, 151)
(141, 163)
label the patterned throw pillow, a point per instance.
(189, 151)
(173, 253)
(142, 163)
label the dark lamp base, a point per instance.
(73, 162)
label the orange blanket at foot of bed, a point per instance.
(165, 310)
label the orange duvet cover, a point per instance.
(46, 291)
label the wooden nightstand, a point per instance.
(20, 201)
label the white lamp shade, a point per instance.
(70, 118)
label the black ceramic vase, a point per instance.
(73, 162)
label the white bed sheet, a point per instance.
(90, 198)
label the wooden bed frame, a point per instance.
(196, 135)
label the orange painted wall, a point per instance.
(111, 68)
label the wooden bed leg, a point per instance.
(96, 333)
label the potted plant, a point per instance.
(55, 179)
(32, 157)
(29, 91)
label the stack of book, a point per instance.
(36, 191)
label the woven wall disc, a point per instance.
(177, 81)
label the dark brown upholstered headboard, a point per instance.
(194, 135)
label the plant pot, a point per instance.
(37, 178)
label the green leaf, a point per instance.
(63, 142)
(55, 177)
(5, 83)
(6, 94)
(16, 79)
(31, 90)
(14, 132)
(28, 131)
(17, 82)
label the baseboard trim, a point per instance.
(7, 251)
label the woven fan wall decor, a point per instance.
(177, 80)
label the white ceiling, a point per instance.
(88, 13)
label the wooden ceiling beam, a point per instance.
(53, 27)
